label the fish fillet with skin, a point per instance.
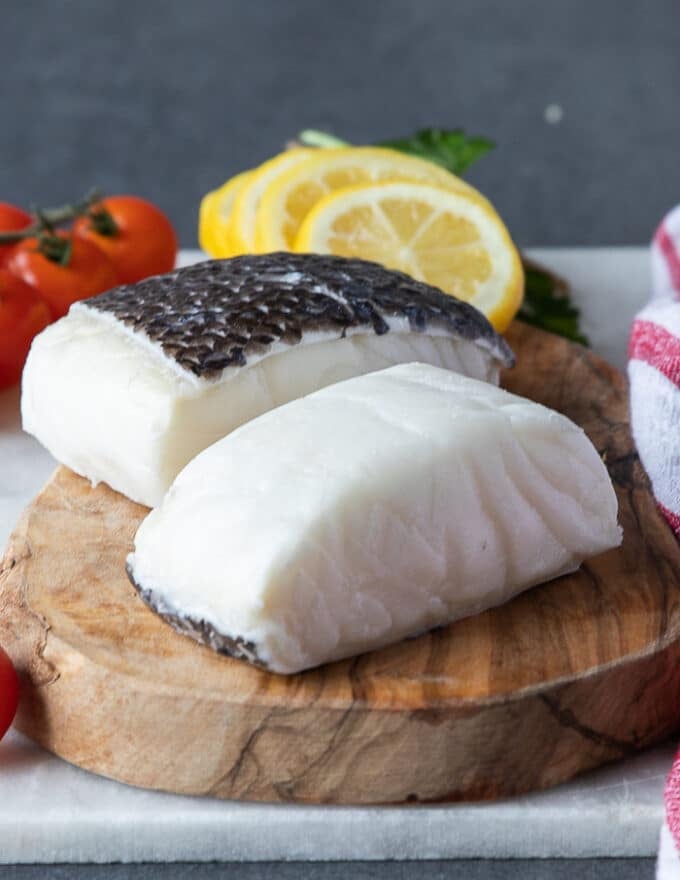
(369, 511)
(131, 385)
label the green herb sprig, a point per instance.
(453, 150)
(547, 304)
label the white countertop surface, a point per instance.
(53, 812)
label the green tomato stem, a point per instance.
(46, 220)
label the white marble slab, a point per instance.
(53, 812)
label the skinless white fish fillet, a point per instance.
(131, 385)
(370, 511)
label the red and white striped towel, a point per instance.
(654, 373)
(668, 864)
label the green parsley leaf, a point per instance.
(547, 304)
(453, 149)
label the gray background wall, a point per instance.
(169, 97)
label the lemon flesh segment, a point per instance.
(448, 239)
(289, 197)
(243, 216)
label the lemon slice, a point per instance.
(242, 226)
(452, 240)
(290, 195)
(216, 217)
(206, 223)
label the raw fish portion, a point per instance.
(132, 384)
(369, 511)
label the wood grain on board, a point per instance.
(583, 670)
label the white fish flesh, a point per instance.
(371, 510)
(134, 383)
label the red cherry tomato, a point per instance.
(9, 693)
(136, 235)
(87, 272)
(11, 220)
(23, 314)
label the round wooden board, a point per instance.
(574, 673)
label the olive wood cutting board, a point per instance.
(571, 674)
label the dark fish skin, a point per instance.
(219, 313)
(199, 630)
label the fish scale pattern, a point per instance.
(219, 313)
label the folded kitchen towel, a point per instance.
(668, 864)
(654, 373)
